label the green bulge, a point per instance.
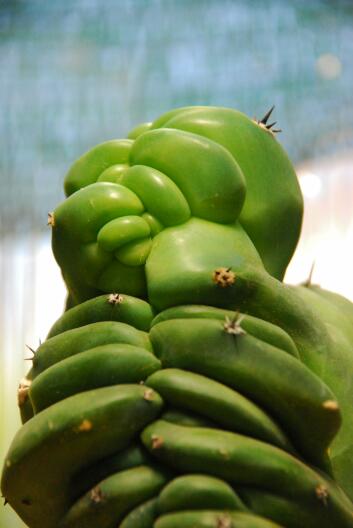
(26, 410)
(142, 516)
(336, 371)
(182, 417)
(194, 492)
(75, 226)
(155, 225)
(84, 213)
(181, 266)
(205, 172)
(113, 173)
(278, 382)
(171, 208)
(268, 332)
(139, 129)
(120, 231)
(194, 165)
(135, 253)
(219, 403)
(87, 168)
(322, 336)
(134, 455)
(288, 512)
(244, 461)
(338, 301)
(273, 207)
(111, 499)
(77, 340)
(97, 367)
(118, 276)
(111, 307)
(62, 440)
(213, 519)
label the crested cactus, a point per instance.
(187, 386)
(145, 216)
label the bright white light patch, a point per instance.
(310, 184)
(328, 66)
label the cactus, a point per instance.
(186, 385)
(144, 215)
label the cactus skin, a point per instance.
(279, 382)
(176, 440)
(120, 308)
(144, 412)
(273, 205)
(243, 461)
(226, 407)
(117, 495)
(192, 492)
(213, 519)
(62, 440)
(195, 175)
(142, 516)
(336, 371)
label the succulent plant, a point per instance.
(187, 386)
(198, 189)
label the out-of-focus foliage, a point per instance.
(77, 72)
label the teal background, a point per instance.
(76, 73)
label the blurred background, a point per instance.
(78, 72)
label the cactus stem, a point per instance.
(115, 298)
(223, 277)
(156, 441)
(330, 405)
(51, 220)
(233, 326)
(96, 495)
(322, 493)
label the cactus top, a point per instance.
(199, 189)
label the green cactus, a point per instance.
(243, 376)
(146, 214)
(187, 386)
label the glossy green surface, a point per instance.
(62, 440)
(228, 393)
(244, 461)
(272, 379)
(193, 492)
(213, 519)
(150, 216)
(337, 368)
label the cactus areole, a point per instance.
(185, 385)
